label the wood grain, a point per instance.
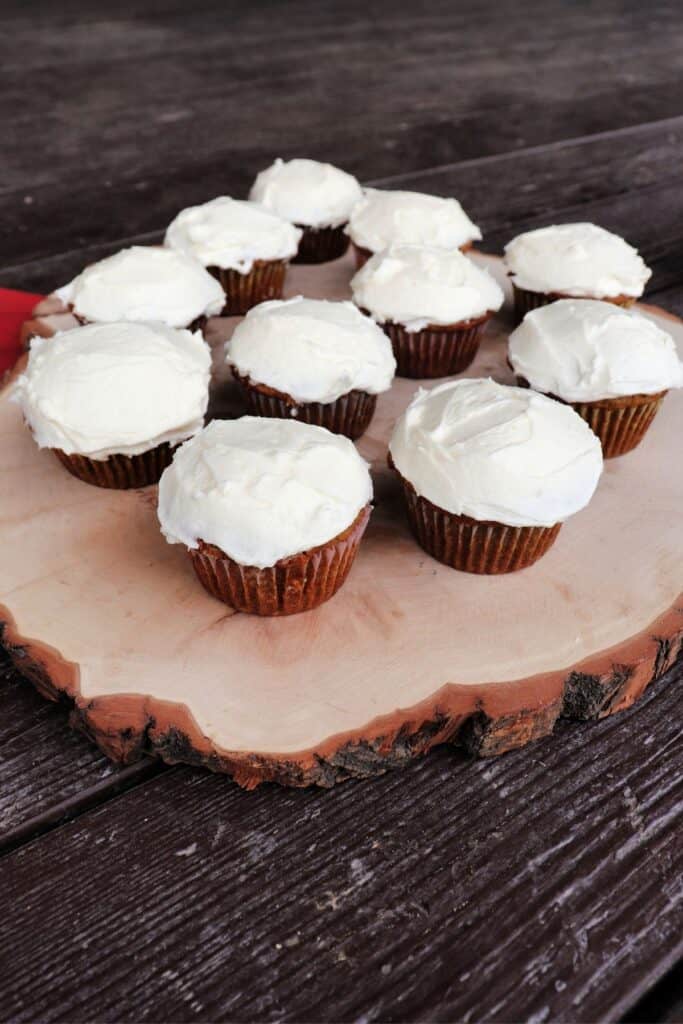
(539, 886)
(202, 110)
(427, 86)
(478, 90)
(49, 772)
(612, 178)
(413, 667)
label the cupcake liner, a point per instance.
(526, 300)
(264, 281)
(620, 423)
(198, 324)
(472, 545)
(119, 472)
(295, 584)
(321, 245)
(349, 414)
(435, 351)
(362, 255)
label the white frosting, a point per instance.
(419, 285)
(577, 260)
(384, 218)
(585, 350)
(306, 192)
(313, 350)
(496, 453)
(144, 283)
(262, 489)
(232, 233)
(106, 389)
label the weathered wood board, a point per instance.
(99, 609)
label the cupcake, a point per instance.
(612, 365)
(144, 283)
(113, 400)
(489, 473)
(317, 198)
(579, 261)
(321, 362)
(382, 219)
(433, 303)
(271, 511)
(240, 243)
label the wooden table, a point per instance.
(542, 886)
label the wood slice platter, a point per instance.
(101, 612)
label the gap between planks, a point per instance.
(129, 777)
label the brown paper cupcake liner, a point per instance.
(295, 584)
(349, 414)
(619, 423)
(264, 281)
(526, 300)
(472, 545)
(198, 324)
(435, 351)
(119, 472)
(321, 245)
(362, 255)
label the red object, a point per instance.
(15, 307)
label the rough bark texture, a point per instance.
(541, 886)
(128, 727)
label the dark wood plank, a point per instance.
(428, 85)
(68, 772)
(626, 180)
(538, 886)
(449, 890)
(663, 1003)
(128, 111)
(48, 772)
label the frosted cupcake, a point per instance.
(317, 198)
(385, 218)
(144, 283)
(271, 511)
(490, 473)
(242, 244)
(432, 303)
(610, 364)
(320, 362)
(580, 261)
(113, 400)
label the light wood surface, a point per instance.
(406, 643)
